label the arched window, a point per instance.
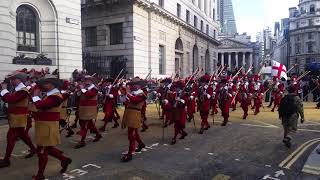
(312, 8)
(27, 29)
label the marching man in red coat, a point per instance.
(204, 102)
(258, 94)
(245, 100)
(168, 105)
(17, 116)
(179, 113)
(278, 93)
(47, 118)
(224, 99)
(88, 111)
(110, 105)
(132, 117)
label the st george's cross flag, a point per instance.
(279, 70)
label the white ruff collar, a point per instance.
(137, 92)
(53, 91)
(19, 87)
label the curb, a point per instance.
(312, 166)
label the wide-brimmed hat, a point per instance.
(65, 84)
(205, 78)
(111, 80)
(89, 77)
(137, 81)
(17, 75)
(49, 78)
(167, 80)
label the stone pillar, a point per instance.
(229, 61)
(222, 59)
(250, 60)
(244, 60)
(237, 60)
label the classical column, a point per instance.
(222, 59)
(244, 60)
(250, 59)
(229, 61)
(237, 61)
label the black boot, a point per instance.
(287, 142)
(65, 164)
(201, 131)
(173, 141)
(97, 138)
(80, 145)
(4, 163)
(31, 154)
(126, 158)
(140, 147)
(70, 133)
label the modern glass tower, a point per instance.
(226, 18)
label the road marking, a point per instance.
(267, 165)
(267, 124)
(310, 124)
(295, 152)
(187, 149)
(309, 130)
(315, 122)
(221, 177)
(254, 125)
(237, 159)
(311, 170)
(300, 153)
(211, 154)
(277, 174)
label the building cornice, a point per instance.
(308, 16)
(303, 28)
(166, 14)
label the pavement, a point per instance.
(244, 150)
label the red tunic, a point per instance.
(45, 104)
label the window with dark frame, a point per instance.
(161, 3)
(195, 21)
(161, 59)
(116, 34)
(207, 29)
(312, 9)
(91, 36)
(188, 16)
(310, 47)
(27, 29)
(178, 10)
(310, 35)
(201, 26)
(213, 14)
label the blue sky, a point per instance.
(253, 15)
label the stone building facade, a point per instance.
(304, 32)
(235, 54)
(161, 36)
(33, 27)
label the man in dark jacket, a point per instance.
(290, 109)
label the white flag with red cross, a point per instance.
(279, 70)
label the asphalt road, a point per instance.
(244, 150)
